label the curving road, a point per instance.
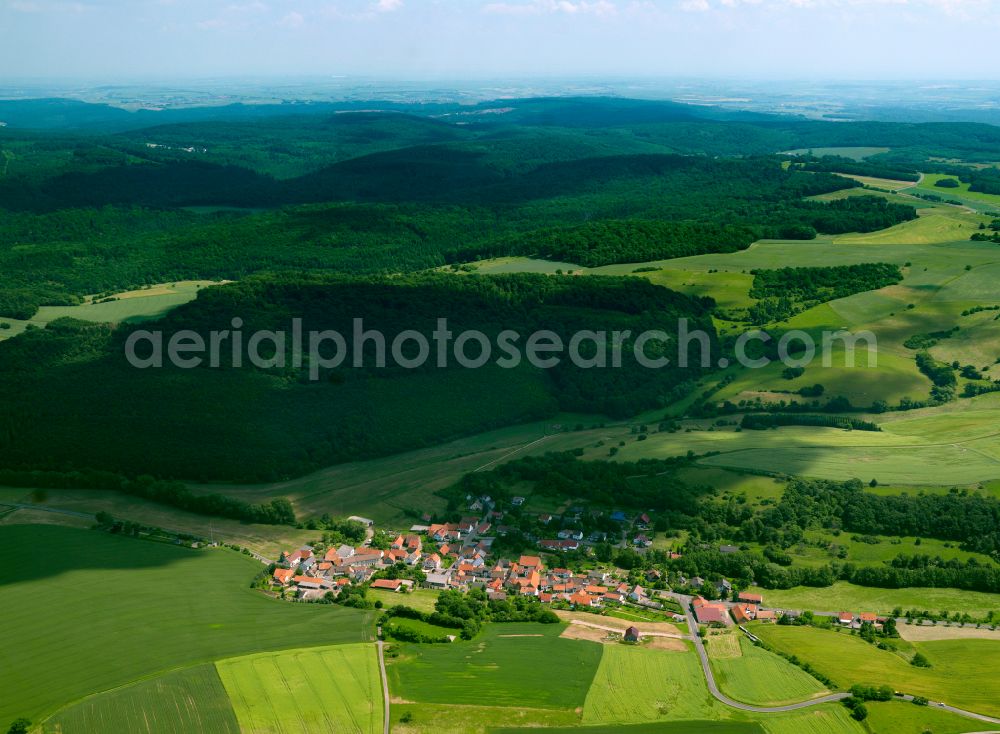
(713, 688)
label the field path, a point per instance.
(385, 686)
(645, 633)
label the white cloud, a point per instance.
(388, 6)
(538, 7)
(292, 20)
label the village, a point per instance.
(459, 556)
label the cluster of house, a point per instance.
(746, 608)
(314, 576)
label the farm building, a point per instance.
(632, 634)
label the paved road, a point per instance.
(385, 684)
(713, 688)
(685, 602)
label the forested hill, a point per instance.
(97, 228)
(263, 424)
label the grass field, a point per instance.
(429, 718)
(820, 548)
(304, 691)
(844, 596)
(132, 306)
(383, 489)
(826, 719)
(963, 672)
(530, 672)
(421, 599)
(934, 225)
(762, 678)
(421, 627)
(635, 685)
(897, 717)
(268, 540)
(189, 700)
(961, 192)
(95, 611)
(664, 727)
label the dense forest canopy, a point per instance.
(250, 423)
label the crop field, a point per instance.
(825, 719)
(844, 596)
(382, 489)
(635, 684)
(309, 690)
(762, 678)
(963, 673)
(897, 717)
(891, 380)
(961, 192)
(934, 225)
(430, 718)
(730, 290)
(96, 611)
(664, 727)
(824, 452)
(188, 700)
(533, 672)
(268, 540)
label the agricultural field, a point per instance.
(663, 727)
(820, 548)
(308, 690)
(848, 597)
(268, 540)
(430, 718)
(187, 700)
(516, 665)
(934, 225)
(97, 611)
(128, 307)
(761, 678)
(962, 672)
(825, 719)
(383, 489)
(897, 717)
(420, 627)
(961, 192)
(423, 600)
(634, 684)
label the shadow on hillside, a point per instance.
(34, 552)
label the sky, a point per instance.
(466, 39)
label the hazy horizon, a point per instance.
(185, 40)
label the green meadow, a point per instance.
(963, 673)
(96, 611)
(761, 678)
(898, 717)
(518, 665)
(843, 596)
(188, 700)
(634, 684)
(333, 689)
